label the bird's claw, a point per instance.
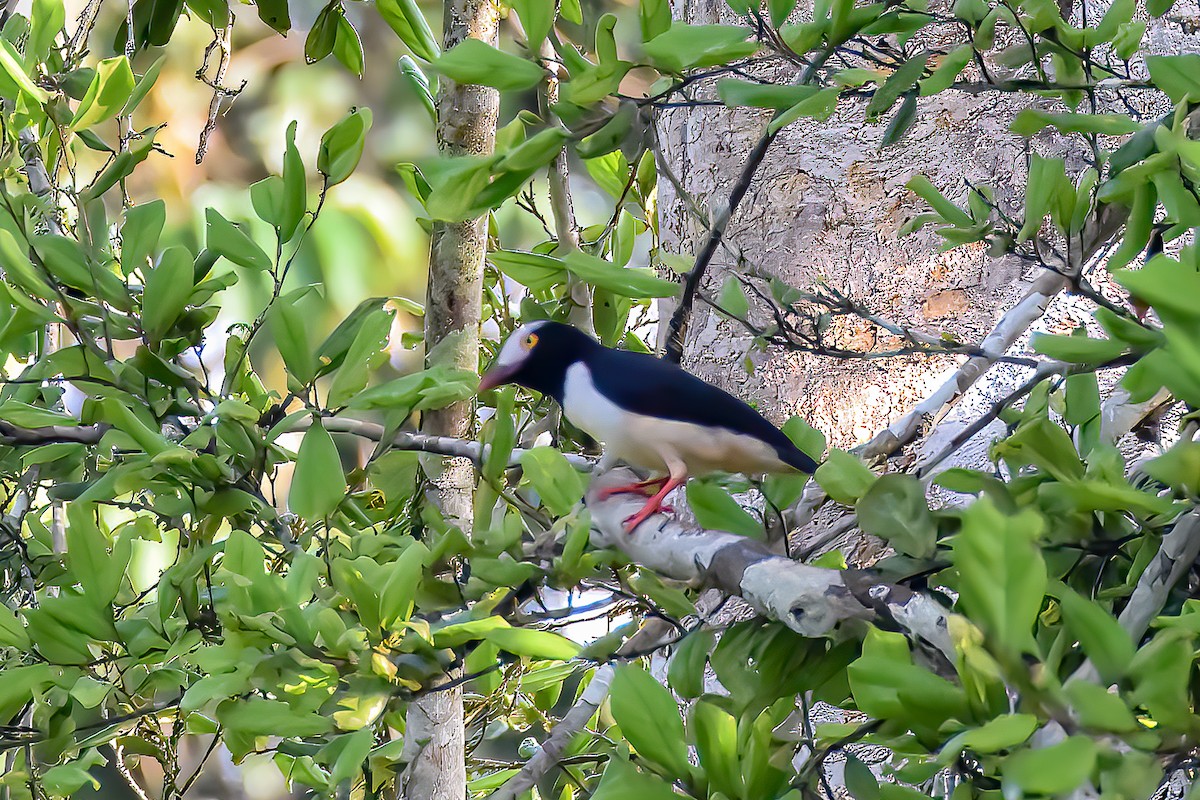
(633, 520)
(647, 488)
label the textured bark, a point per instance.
(826, 204)
(434, 739)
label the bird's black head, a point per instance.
(537, 356)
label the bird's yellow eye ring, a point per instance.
(530, 341)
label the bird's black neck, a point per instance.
(546, 370)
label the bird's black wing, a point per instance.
(647, 385)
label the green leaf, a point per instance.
(732, 299)
(735, 92)
(1002, 733)
(502, 435)
(626, 281)
(1002, 577)
(684, 47)
(947, 71)
(318, 484)
(348, 47)
(24, 415)
(649, 718)
(843, 477)
(294, 199)
(780, 10)
(1031, 121)
(110, 89)
(555, 480)
(715, 733)
(537, 17)
(1104, 641)
(420, 85)
(342, 146)
(12, 634)
(168, 288)
(1160, 672)
(820, 107)
(1096, 708)
(532, 643)
(275, 14)
(227, 239)
(895, 510)
(685, 673)
(45, 22)
(255, 716)
(1178, 76)
(140, 233)
(901, 121)
(323, 33)
(123, 165)
(366, 353)
(1078, 349)
(473, 61)
(860, 781)
(622, 781)
(290, 331)
(654, 17)
(1047, 181)
(143, 86)
(65, 780)
(900, 81)
(950, 212)
(98, 572)
(401, 585)
(405, 18)
(715, 508)
(1051, 770)
(14, 81)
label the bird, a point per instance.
(648, 412)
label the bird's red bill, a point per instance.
(496, 376)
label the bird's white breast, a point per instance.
(653, 443)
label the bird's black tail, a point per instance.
(795, 457)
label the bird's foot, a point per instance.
(641, 487)
(647, 511)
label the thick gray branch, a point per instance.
(809, 600)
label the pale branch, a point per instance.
(222, 44)
(927, 465)
(579, 293)
(1176, 555)
(809, 600)
(476, 452)
(550, 752)
(651, 636)
(1011, 326)
(1118, 415)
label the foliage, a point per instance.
(156, 585)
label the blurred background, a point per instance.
(368, 242)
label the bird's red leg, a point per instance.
(655, 503)
(631, 488)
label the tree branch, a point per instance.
(809, 600)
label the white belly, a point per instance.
(653, 444)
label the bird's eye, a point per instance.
(530, 341)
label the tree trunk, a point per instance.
(827, 204)
(434, 740)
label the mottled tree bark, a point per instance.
(434, 740)
(827, 204)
